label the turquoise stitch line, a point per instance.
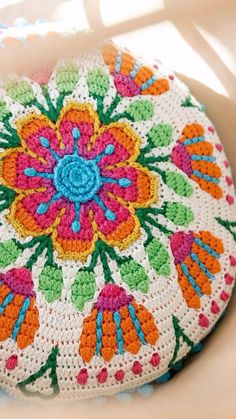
(207, 248)
(118, 61)
(148, 83)
(99, 332)
(45, 143)
(21, 318)
(198, 157)
(119, 337)
(109, 214)
(202, 266)
(124, 182)
(43, 207)
(7, 300)
(76, 223)
(133, 73)
(136, 323)
(193, 141)
(206, 177)
(191, 279)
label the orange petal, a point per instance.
(9, 317)
(192, 130)
(87, 345)
(109, 345)
(191, 297)
(147, 323)
(212, 188)
(129, 334)
(29, 326)
(211, 263)
(215, 243)
(200, 278)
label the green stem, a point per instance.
(157, 159)
(41, 108)
(34, 257)
(50, 365)
(51, 107)
(118, 116)
(160, 227)
(229, 225)
(105, 265)
(179, 333)
(112, 107)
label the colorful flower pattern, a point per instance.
(116, 324)
(83, 184)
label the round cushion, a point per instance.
(117, 240)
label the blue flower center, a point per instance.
(77, 179)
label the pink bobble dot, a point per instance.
(229, 279)
(137, 368)
(119, 375)
(102, 376)
(226, 163)
(82, 377)
(219, 147)
(232, 260)
(155, 360)
(203, 320)
(171, 77)
(229, 180)
(211, 129)
(230, 199)
(12, 362)
(224, 296)
(215, 307)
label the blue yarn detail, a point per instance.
(207, 248)
(198, 157)
(136, 323)
(7, 300)
(99, 332)
(136, 68)
(46, 143)
(124, 182)
(76, 223)
(21, 317)
(193, 141)
(119, 337)
(145, 390)
(202, 266)
(197, 348)
(148, 83)
(164, 378)
(118, 61)
(208, 178)
(109, 214)
(31, 172)
(191, 279)
(76, 136)
(124, 397)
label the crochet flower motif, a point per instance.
(193, 155)
(18, 314)
(196, 256)
(77, 181)
(131, 78)
(116, 324)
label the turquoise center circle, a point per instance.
(77, 179)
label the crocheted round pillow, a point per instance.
(117, 249)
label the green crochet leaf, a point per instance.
(140, 110)
(21, 91)
(4, 112)
(98, 82)
(160, 135)
(51, 282)
(83, 288)
(158, 257)
(179, 214)
(9, 252)
(178, 183)
(7, 196)
(134, 275)
(67, 77)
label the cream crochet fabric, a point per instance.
(117, 250)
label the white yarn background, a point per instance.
(61, 324)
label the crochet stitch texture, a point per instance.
(117, 225)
